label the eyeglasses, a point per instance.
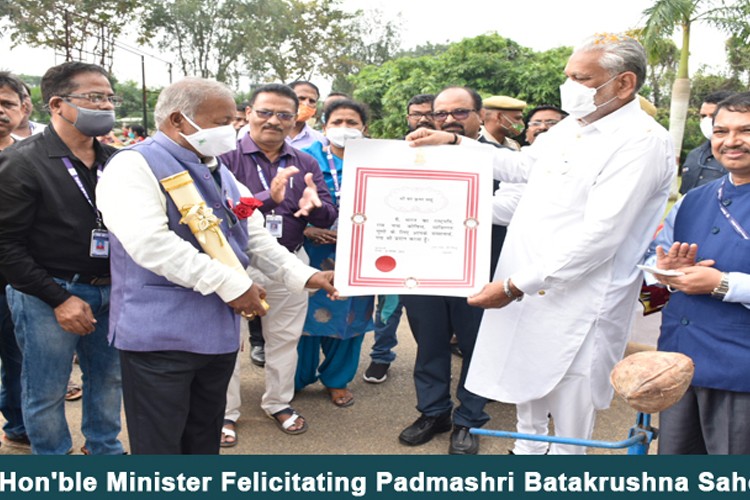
(457, 114)
(96, 98)
(539, 123)
(282, 116)
(419, 116)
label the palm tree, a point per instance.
(663, 17)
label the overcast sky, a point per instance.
(539, 24)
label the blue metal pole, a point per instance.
(639, 437)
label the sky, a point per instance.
(538, 24)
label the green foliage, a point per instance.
(205, 35)
(738, 58)
(490, 64)
(268, 40)
(703, 84)
(132, 105)
(665, 16)
(427, 49)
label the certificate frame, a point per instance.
(460, 177)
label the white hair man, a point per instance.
(174, 313)
(598, 184)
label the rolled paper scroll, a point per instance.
(202, 221)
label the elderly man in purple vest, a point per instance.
(174, 308)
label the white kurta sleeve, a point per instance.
(134, 209)
(505, 201)
(739, 289)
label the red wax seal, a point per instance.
(385, 263)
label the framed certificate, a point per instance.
(414, 220)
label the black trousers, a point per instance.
(256, 332)
(174, 401)
(433, 321)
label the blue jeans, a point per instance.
(10, 374)
(47, 361)
(387, 317)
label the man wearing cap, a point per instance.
(503, 120)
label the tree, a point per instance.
(490, 64)
(372, 40)
(132, 100)
(738, 58)
(663, 56)
(81, 29)
(663, 17)
(206, 35)
(268, 40)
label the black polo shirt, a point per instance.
(45, 220)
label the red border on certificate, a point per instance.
(356, 276)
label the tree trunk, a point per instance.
(677, 117)
(678, 113)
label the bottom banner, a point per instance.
(325, 476)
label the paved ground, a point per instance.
(372, 424)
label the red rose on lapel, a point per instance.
(246, 207)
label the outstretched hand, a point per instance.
(280, 182)
(324, 280)
(310, 199)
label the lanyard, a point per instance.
(74, 174)
(334, 172)
(735, 224)
(262, 176)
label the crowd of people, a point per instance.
(134, 287)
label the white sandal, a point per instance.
(289, 422)
(229, 433)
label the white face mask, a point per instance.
(339, 135)
(578, 99)
(707, 127)
(211, 141)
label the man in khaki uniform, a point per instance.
(503, 120)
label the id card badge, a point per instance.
(99, 244)
(275, 225)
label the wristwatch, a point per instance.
(721, 291)
(509, 292)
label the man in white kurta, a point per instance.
(597, 187)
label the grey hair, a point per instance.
(619, 53)
(186, 96)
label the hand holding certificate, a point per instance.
(414, 220)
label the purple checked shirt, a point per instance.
(251, 167)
